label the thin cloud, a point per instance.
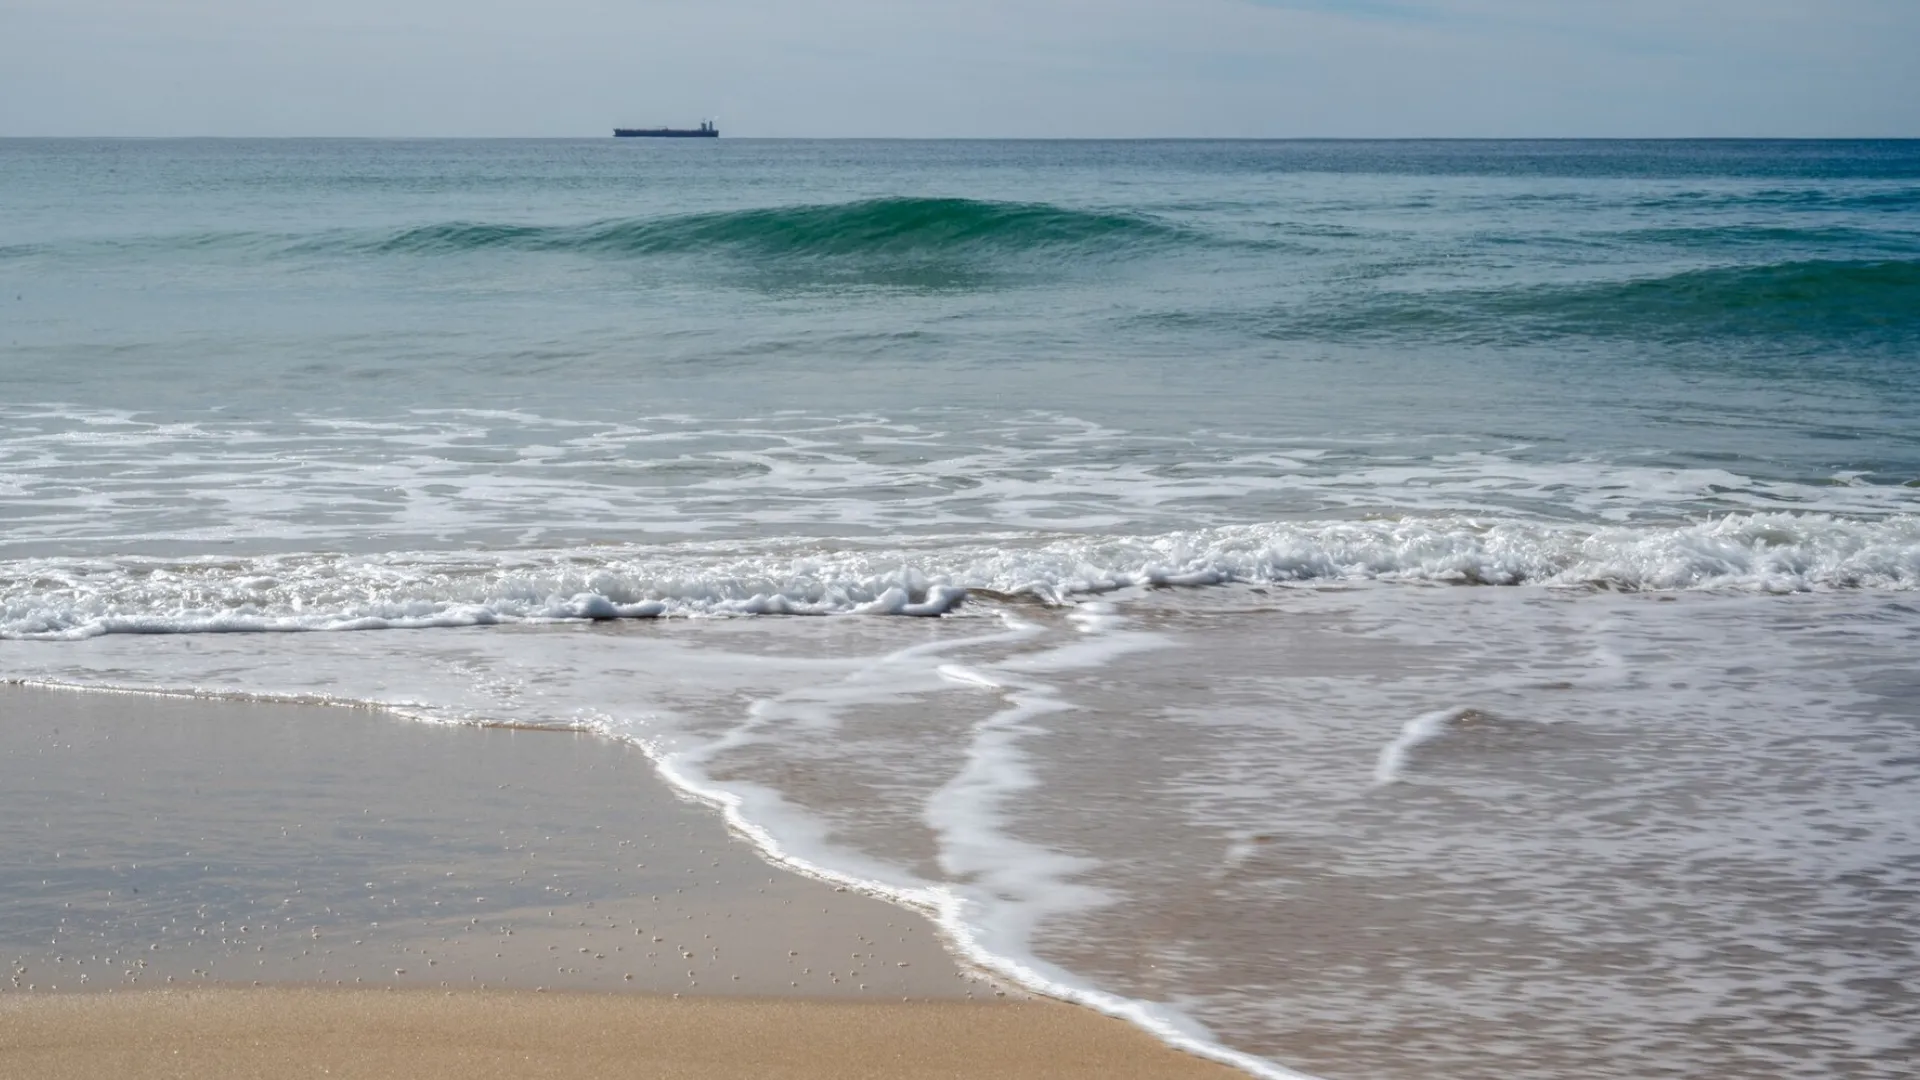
(963, 68)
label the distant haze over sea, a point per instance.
(964, 68)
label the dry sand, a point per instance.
(279, 891)
(426, 1034)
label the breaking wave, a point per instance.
(889, 234)
(54, 599)
(872, 227)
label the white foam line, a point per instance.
(1166, 1025)
(404, 710)
(967, 676)
(945, 906)
(1028, 882)
(1393, 756)
(947, 910)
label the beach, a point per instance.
(567, 1036)
(1364, 610)
(216, 888)
(227, 1033)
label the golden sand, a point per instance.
(227, 1034)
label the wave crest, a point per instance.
(874, 227)
(66, 599)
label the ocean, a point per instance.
(1396, 609)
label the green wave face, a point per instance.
(914, 244)
(1824, 297)
(895, 227)
(1809, 300)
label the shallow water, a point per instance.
(173, 842)
(1406, 609)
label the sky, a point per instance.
(963, 68)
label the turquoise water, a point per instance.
(1214, 457)
(1682, 304)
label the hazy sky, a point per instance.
(962, 67)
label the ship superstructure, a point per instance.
(707, 130)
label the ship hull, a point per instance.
(666, 133)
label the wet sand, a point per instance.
(160, 841)
(267, 889)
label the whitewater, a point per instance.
(65, 599)
(1371, 609)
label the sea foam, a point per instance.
(1392, 763)
(1773, 553)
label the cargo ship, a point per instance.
(707, 130)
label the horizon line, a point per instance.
(984, 138)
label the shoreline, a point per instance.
(220, 840)
(219, 866)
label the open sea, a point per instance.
(1364, 610)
